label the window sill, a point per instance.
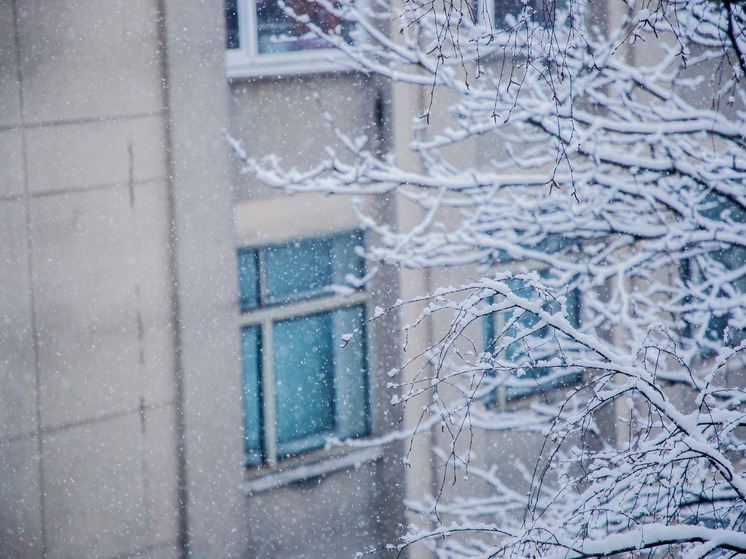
(239, 65)
(317, 465)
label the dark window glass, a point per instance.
(277, 32)
(248, 287)
(705, 273)
(304, 382)
(542, 11)
(231, 24)
(297, 271)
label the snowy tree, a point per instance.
(591, 165)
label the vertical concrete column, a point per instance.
(85, 445)
(205, 282)
(407, 104)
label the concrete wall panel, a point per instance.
(160, 472)
(20, 505)
(164, 552)
(89, 60)
(97, 153)
(17, 373)
(94, 489)
(286, 117)
(333, 516)
(10, 108)
(11, 162)
(85, 305)
(153, 279)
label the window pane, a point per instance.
(504, 8)
(248, 280)
(231, 24)
(306, 269)
(521, 321)
(297, 271)
(351, 377)
(543, 11)
(276, 32)
(732, 258)
(343, 257)
(252, 398)
(304, 382)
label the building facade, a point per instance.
(130, 422)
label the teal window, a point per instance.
(716, 317)
(531, 347)
(300, 385)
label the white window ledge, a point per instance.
(240, 65)
(263, 479)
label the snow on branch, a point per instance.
(594, 172)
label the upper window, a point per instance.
(300, 385)
(263, 39)
(495, 12)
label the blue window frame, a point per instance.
(530, 352)
(300, 385)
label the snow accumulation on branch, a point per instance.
(594, 171)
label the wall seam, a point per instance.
(181, 474)
(32, 286)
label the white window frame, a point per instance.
(246, 61)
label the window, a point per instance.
(532, 347)
(723, 322)
(261, 39)
(299, 385)
(495, 11)
(528, 352)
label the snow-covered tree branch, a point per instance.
(592, 166)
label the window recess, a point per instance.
(300, 386)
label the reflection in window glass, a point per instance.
(310, 268)
(232, 40)
(495, 11)
(277, 32)
(297, 271)
(248, 288)
(304, 382)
